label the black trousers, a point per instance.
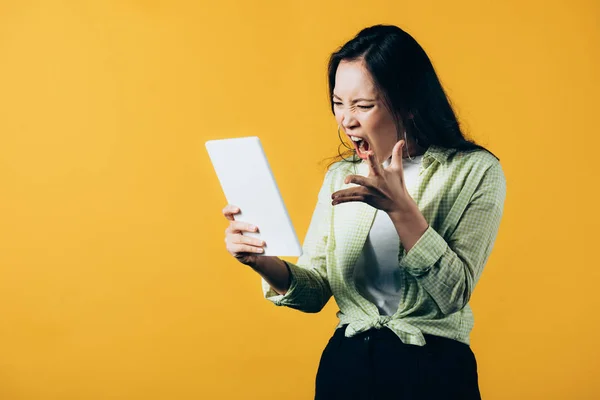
(376, 365)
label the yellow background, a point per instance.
(114, 278)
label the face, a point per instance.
(361, 112)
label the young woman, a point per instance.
(402, 229)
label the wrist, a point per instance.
(260, 263)
(406, 215)
(256, 263)
(410, 226)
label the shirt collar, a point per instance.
(437, 153)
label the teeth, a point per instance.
(355, 139)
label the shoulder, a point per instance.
(334, 178)
(336, 173)
(474, 170)
(340, 169)
(476, 163)
(472, 158)
(485, 173)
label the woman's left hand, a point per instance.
(383, 188)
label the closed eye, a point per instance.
(338, 104)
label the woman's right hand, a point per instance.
(243, 248)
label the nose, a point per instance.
(347, 121)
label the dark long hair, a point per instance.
(409, 85)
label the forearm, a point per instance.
(448, 269)
(410, 226)
(302, 285)
(274, 271)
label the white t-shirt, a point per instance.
(376, 274)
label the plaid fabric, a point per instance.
(461, 195)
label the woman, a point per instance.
(400, 234)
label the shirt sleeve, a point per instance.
(309, 290)
(448, 270)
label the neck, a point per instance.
(413, 149)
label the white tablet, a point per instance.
(248, 183)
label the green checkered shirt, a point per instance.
(461, 195)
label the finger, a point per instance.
(358, 191)
(237, 239)
(374, 166)
(348, 199)
(238, 227)
(349, 192)
(229, 211)
(358, 180)
(401, 149)
(243, 248)
(237, 243)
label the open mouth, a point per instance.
(361, 146)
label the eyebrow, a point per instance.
(355, 100)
